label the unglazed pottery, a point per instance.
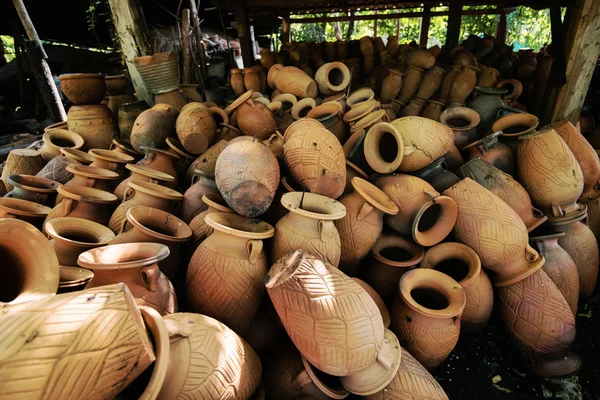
(447, 83)
(493, 152)
(432, 110)
(237, 81)
(360, 96)
(79, 156)
(83, 88)
(161, 160)
(206, 161)
(392, 84)
(95, 123)
(115, 84)
(332, 78)
(56, 169)
(184, 158)
(437, 173)
(253, 118)
(463, 85)
(432, 81)
(463, 121)
(488, 77)
(32, 188)
(303, 107)
(113, 161)
(292, 80)
(486, 101)
(94, 177)
(330, 115)
(192, 198)
(22, 162)
(146, 174)
(73, 279)
(121, 146)
(251, 80)
(200, 229)
(384, 148)
(84, 202)
(126, 115)
(25, 210)
(410, 83)
(152, 127)
(56, 139)
(196, 128)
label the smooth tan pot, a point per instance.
(332, 78)
(28, 211)
(94, 123)
(196, 128)
(237, 81)
(226, 273)
(146, 174)
(151, 128)
(113, 161)
(56, 139)
(94, 177)
(309, 226)
(251, 80)
(493, 152)
(463, 121)
(391, 86)
(420, 58)
(200, 229)
(384, 148)
(21, 162)
(161, 160)
(303, 107)
(253, 118)
(463, 85)
(448, 82)
(410, 84)
(83, 88)
(207, 161)
(431, 83)
(81, 157)
(192, 198)
(33, 188)
(488, 77)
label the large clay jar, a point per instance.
(83, 88)
(494, 230)
(309, 226)
(504, 186)
(196, 128)
(126, 115)
(24, 210)
(292, 80)
(487, 102)
(251, 80)
(56, 139)
(94, 177)
(420, 58)
(463, 121)
(448, 82)
(253, 118)
(121, 146)
(362, 225)
(293, 283)
(426, 215)
(192, 198)
(237, 81)
(315, 158)
(332, 78)
(410, 84)
(226, 273)
(151, 128)
(113, 161)
(33, 188)
(462, 86)
(94, 123)
(431, 83)
(141, 173)
(550, 173)
(22, 162)
(488, 77)
(559, 267)
(462, 264)
(161, 160)
(383, 148)
(200, 229)
(426, 315)
(391, 86)
(490, 150)
(425, 141)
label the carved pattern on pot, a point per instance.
(22, 162)
(207, 161)
(332, 78)
(200, 229)
(196, 128)
(94, 123)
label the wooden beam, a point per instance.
(285, 29)
(501, 28)
(454, 21)
(375, 24)
(243, 28)
(186, 46)
(425, 23)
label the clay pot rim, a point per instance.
(77, 155)
(434, 280)
(579, 215)
(493, 135)
(324, 111)
(149, 172)
(71, 76)
(521, 118)
(541, 238)
(107, 257)
(236, 225)
(329, 209)
(301, 105)
(334, 97)
(285, 181)
(362, 173)
(333, 393)
(514, 83)
(462, 112)
(345, 73)
(371, 147)
(102, 234)
(388, 240)
(154, 189)
(182, 231)
(23, 208)
(59, 133)
(213, 110)
(360, 95)
(239, 101)
(147, 150)
(111, 156)
(439, 230)
(125, 147)
(453, 250)
(543, 131)
(28, 182)
(274, 106)
(385, 314)
(92, 172)
(285, 98)
(213, 201)
(374, 196)
(57, 125)
(368, 119)
(155, 58)
(271, 74)
(114, 77)
(87, 194)
(70, 276)
(489, 89)
(360, 110)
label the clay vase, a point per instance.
(200, 229)
(237, 81)
(121, 146)
(488, 77)
(56, 139)
(391, 86)
(504, 186)
(292, 80)
(490, 150)
(585, 155)
(76, 156)
(463, 122)
(426, 215)
(391, 257)
(360, 228)
(495, 232)
(581, 244)
(95, 123)
(192, 198)
(253, 118)
(33, 188)
(448, 82)
(550, 173)
(28, 211)
(410, 83)
(83, 202)
(383, 148)
(559, 267)
(207, 161)
(315, 158)
(126, 115)
(300, 276)
(332, 78)
(145, 194)
(432, 110)
(184, 158)
(151, 128)
(437, 173)
(463, 85)
(413, 109)
(486, 101)
(462, 264)
(302, 108)
(425, 141)
(145, 174)
(196, 128)
(431, 83)
(21, 162)
(513, 126)
(226, 273)
(309, 226)
(251, 80)
(83, 88)
(330, 115)
(70, 237)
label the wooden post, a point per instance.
(186, 45)
(350, 32)
(425, 23)
(398, 28)
(199, 42)
(285, 30)
(501, 28)
(454, 21)
(375, 24)
(243, 28)
(39, 65)
(130, 27)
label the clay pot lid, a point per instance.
(111, 156)
(92, 172)
(314, 206)
(148, 219)
(126, 147)
(60, 133)
(154, 189)
(375, 196)
(369, 119)
(84, 193)
(65, 77)
(387, 241)
(301, 105)
(77, 155)
(431, 279)
(579, 215)
(34, 183)
(100, 234)
(360, 96)
(527, 121)
(541, 238)
(236, 225)
(239, 101)
(74, 276)
(360, 110)
(493, 135)
(177, 147)
(362, 173)
(149, 172)
(463, 113)
(167, 152)
(385, 314)
(379, 374)
(216, 202)
(23, 208)
(123, 256)
(337, 392)
(453, 251)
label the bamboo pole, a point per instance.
(186, 45)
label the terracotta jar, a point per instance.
(448, 82)
(115, 84)
(463, 122)
(391, 257)
(351, 172)
(56, 139)
(83, 88)
(196, 128)
(94, 123)
(57, 125)
(237, 81)
(410, 83)
(488, 77)
(113, 161)
(33, 188)
(161, 160)
(431, 83)
(550, 173)
(486, 101)
(426, 215)
(292, 80)
(360, 228)
(70, 237)
(21, 162)
(28, 211)
(318, 167)
(392, 84)
(145, 194)
(420, 58)
(253, 118)
(184, 158)
(225, 275)
(145, 174)
(251, 80)
(302, 108)
(192, 198)
(200, 229)
(332, 78)
(463, 85)
(501, 241)
(114, 101)
(515, 89)
(121, 146)
(425, 141)
(126, 115)
(73, 279)
(514, 126)
(78, 156)
(384, 148)
(84, 202)
(151, 128)
(462, 264)
(432, 110)
(309, 226)
(437, 173)
(94, 177)
(413, 108)
(490, 150)
(504, 186)
(207, 161)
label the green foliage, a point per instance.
(9, 47)
(98, 12)
(478, 25)
(528, 28)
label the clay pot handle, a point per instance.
(432, 196)
(557, 211)
(67, 206)
(160, 336)
(150, 275)
(254, 248)
(365, 210)
(194, 179)
(301, 380)
(530, 254)
(128, 194)
(177, 330)
(409, 150)
(326, 229)
(125, 226)
(112, 146)
(385, 360)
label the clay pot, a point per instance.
(448, 82)
(56, 139)
(113, 161)
(267, 58)
(332, 78)
(58, 125)
(431, 83)
(499, 241)
(486, 102)
(303, 107)
(550, 173)
(201, 230)
(225, 275)
(426, 315)
(391, 86)
(70, 237)
(151, 128)
(115, 101)
(145, 194)
(432, 110)
(237, 81)
(315, 158)
(437, 173)
(420, 58)
(115, 84)
(123, 147)
(384, 148)
(147, 224)
(184, 158)
(488, 77)
(413, 108)
(73, 279)
(463, 85)
(251, 80)
(83, 88)
(514, 88)
(33, 188)
(292, 80)
(425, 215)
(28, 211)
(145, 174)
(94, 123)
(126, 115)
(360, 228)
(360, 96)
(462, 264)
(196, 128)
(93, 177)
(207, 161)
(493, 152)
(425, 141)
(83, 202)
(514, 126)
(410, 83)
(161, 160)
(21, 162)
(77, 156)
(253, 118)
(366, 122)
(192, 198)
(301, 276)
(463, 122)
(309, 226)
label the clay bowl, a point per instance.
(83, 88)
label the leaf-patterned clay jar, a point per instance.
(426, 315)
(253, 118)
(207, 161)
(226, 273)
(309, 226)
(196, 128)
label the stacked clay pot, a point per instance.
(152, 127)
(196, 128)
